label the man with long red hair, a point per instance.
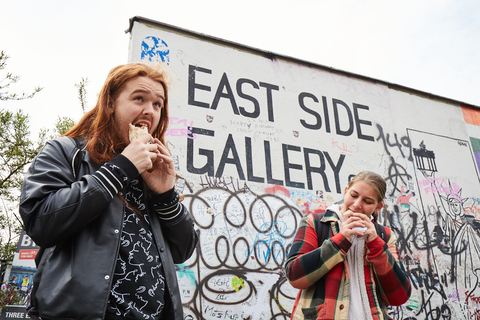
(104, 210)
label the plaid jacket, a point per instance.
(323, 277)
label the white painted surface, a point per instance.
(247, 207)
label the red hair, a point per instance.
(97, 125)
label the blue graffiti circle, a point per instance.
(155, 50)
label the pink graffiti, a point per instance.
(314, 205)
(440, 185)
(180, 132)
(404, 199)
(344, 147)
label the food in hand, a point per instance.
(361, 229)
(136, 132)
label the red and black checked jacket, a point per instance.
(323, 277)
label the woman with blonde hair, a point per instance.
(343, 267)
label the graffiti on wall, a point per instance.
(237, 271)
(244, 239)
(262, 142)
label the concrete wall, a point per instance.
(261, 140)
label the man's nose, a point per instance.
(148, 108)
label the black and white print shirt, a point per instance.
(138, 286)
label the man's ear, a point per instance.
(110, 106)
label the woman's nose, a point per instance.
(357, 205)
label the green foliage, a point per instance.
(82, 92)
(10, 295)
(17, 151)
(62, 125)
(10, 79)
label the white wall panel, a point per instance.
(261, 140)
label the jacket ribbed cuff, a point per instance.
(167, 204)
(116, 174)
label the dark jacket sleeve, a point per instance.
(54, 204)
(177, 225)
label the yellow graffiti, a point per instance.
(237, 283)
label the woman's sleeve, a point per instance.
(395, 286)
(54, 204)
(307, 262)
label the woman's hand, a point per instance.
(371, 232)
(359, 224)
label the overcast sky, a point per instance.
(428, 45)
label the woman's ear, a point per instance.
(379, 206)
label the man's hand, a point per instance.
(162, 177)
(142, 153)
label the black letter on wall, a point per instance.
(269, 87)
(301, 102)
(268, 164)
(229, 94)
(337, 118)
(208, 167)
(230, 145)
(249, 155)
(359, 122)
(309, 169)
(256, 111)
(192, 85)
(287, 165)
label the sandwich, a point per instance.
(136, 132)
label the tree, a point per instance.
(82, 92)
(10, 79)
(62, 125)
(17, 150)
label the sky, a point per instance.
(429, 45)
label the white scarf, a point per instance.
(359, 305)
